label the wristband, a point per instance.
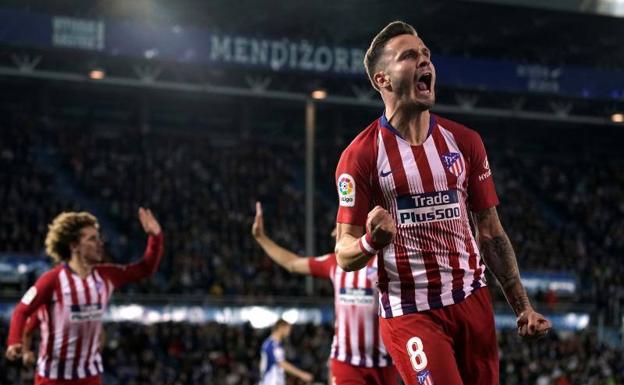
(366, 245)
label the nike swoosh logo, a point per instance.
(385, 174)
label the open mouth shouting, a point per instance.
(423, 83)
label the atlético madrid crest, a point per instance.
(454, 163)
(424, 378)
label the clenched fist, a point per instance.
(13, 352)
(532, 325)
(29, 358)
(381, 226)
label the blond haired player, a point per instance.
(75, 294)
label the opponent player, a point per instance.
(357, 355)
(405, 186)
(76, 293)
(273, 364)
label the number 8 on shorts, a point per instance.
(417, 354)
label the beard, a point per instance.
(410, 102)
(421, 105)
(411, 105)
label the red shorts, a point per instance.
(453, 345)
(345, 374)
(93, 380)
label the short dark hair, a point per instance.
(280, 323)
(374, 52)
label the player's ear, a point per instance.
(382, 79)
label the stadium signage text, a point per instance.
(70, 32)
(540, 78)
(285, 54)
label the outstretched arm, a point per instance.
(122, 274)
(290, 261)
(500, 258)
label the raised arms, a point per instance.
(290, 261)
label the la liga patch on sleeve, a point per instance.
(346, 190)
(29, 296)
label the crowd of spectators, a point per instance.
(204, 195)
(207, 354)
(195, 185)
(559, 359)
(27, 191)
(589, 199)
(561, 215)
(203, 186)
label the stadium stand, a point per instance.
(200, 161)
(190, 180)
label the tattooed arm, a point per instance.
(500, 258)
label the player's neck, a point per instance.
(277, 336)
(80, 266)
(412, 124)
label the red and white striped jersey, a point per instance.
(357, 340)
(70, 311)
(35, 319)
(434, 260)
